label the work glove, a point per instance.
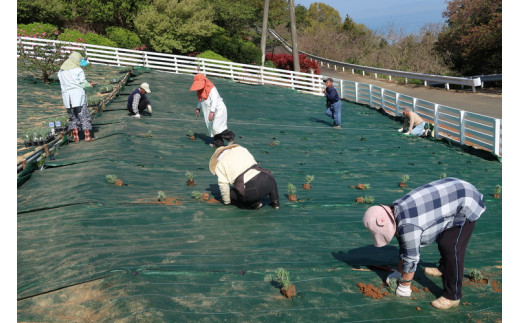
(395, 275)
(197, 113)
(400, 130)
(149, 108)
(137, 115)
(403, 291)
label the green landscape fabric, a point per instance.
(90, 250)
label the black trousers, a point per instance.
(256, 188)
(142, 105)
(452, 245)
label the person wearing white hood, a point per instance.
(444, 211)
(73, 82)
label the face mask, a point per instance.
(83, 62)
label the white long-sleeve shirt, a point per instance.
(72, 83)
(214, 103)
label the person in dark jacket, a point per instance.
(333, 103)
(137, 101)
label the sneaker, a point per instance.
(336, 127)
(443, 303)
(256, 206)
(433, 271)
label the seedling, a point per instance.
(405, 178)
(309, 178)
(275, 143)
(443, 175)
(368, 199)
(282, 278)
(191, 134)
(291, 189)
(111, 178)
(498, 190)
(476, 275)
(161, 196)
(197, 195)
(190, 178)
(392, 285)
(149, 134)
(363, 186)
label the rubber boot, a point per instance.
(75, 134)
(87, 135)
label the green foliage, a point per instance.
(443, 175)
(196, 195)
(38, 30)
(41, 60)
(476, 275)
(368, 199)
(276, 143)
(473, 36)
(405, 178)
(190, 133)
(71, 35)
(309, 178)
(209, 54)
(392, 285)
(171, 26)
(282, 277)
(235, 48)
(291, 189)
(367, 186)
(161, 196)
(234, 16)
(111, 178)
(498, 189)
(95, 39)
(93, 101)
(149, 134)
(189, 176)
(123, 38)
(29, 11)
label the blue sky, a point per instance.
(410, 15)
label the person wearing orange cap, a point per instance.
(444, 211)
(214, 110)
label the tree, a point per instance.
(175, 26)
(322, 14)
(234, 16)
(41, 60)
(51, 11)
(472, 40)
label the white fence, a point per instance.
(457, 125)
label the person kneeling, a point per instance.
(235, 165)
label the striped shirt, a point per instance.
(425, 212)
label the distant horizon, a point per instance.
(406, 15)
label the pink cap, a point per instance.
(380, 221)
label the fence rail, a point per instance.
(428, 79)
(471, 129)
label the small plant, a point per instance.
(275, 143)
(161, 196)
(197, 195)
(111, 178)
(282, 277)
(443, 175)
(93, 101)
(476, 275)
(149, 134)
(392, 285)
(308, 180)
(106, 89)
(363, 186)
(190, 178)
(404, 179)
(291, 189)
(191, 134)
(368, 199)
(498, 191)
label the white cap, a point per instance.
(146, 87)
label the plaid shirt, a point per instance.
(424, 213)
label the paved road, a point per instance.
(483, 102)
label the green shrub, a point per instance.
(71, 35)
(38, 30)
(235, 48)
(124, 38)
(209, 54)
(95, 39)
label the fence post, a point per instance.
(414, 104)
(383, 99)
(497, 137)
(370, 95)
(356, 90)
(462, 135)
(436, 120)
(175, 64)
(397, 104)
(117, 58)
(341, 88)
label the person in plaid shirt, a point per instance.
(444, 211)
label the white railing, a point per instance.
(457, 125)
(428, 79)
